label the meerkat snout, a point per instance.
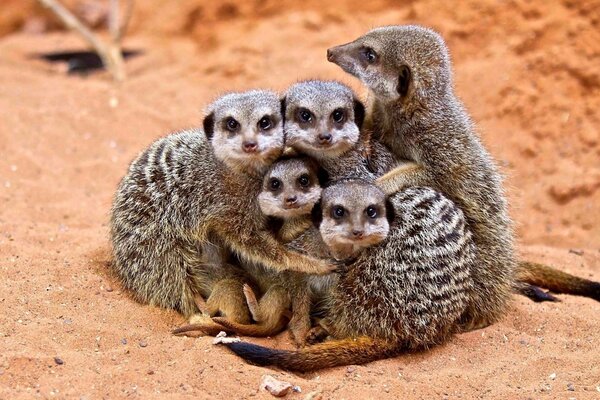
(392, 63)
(291, 188)
(323, 118)
(354, 216)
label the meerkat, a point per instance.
(291, 188)
(419, 118)
(191, 185)
(323, 121)
(407, 287)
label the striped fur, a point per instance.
(406, 293)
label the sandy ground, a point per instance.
(527, 71)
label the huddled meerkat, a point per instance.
(311, 109)
(291, 188)
(191, 185)
(419, 118)
(407, 288)
(324, 120)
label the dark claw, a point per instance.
(536, 294)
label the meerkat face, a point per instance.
(290, 188)
(323, 119)
(354, 216)
(397, 62)
(246, 129)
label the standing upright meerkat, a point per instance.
(407, 288)
(192, 185)
(324, 120)
(419, 118)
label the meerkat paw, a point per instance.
(299, 329)
(316, 335)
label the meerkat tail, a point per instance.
(324, 355)
(256, 330)
(556, 281)
(207, 328)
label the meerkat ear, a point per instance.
(389, 211)
(317, 215)
(359, 113)
(209, 125)
(322, 176)
(404, 79)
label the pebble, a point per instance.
(552, 376)
(274, 386)
(124, 341)
(576, 252)
(143, 343)
(58, 361)
(570, 387)
(222, 338)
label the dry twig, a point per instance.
(110, 53)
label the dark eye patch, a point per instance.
(337, 212)
(231, 124)
(304, 180)
(305, 115)
(338, 115)
(275, 184)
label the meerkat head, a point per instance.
(397, 63)
(355, 215)
(246, 129)
(291, 188)
(323, 119)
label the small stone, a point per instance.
(124, 341)
(58, 361)
(276, 387)
(350, 369)
(109, 288)
(113, 102)
(570, 387)
(222, 338)
(576, 252)
(297, 389)
(552, 376)
(143, 343)
(150, 372)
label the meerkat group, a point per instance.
(408, 210)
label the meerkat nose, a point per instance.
(357, 233)
(330, 55)
(324, 138)
(250, 146)
(291, 200)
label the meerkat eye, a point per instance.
(369, 55)
(274, 184)
(337, 212)
(338, 115)
(231, 124)
(304, 180)
(371, 212)
(265, 123)
(304, 115)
